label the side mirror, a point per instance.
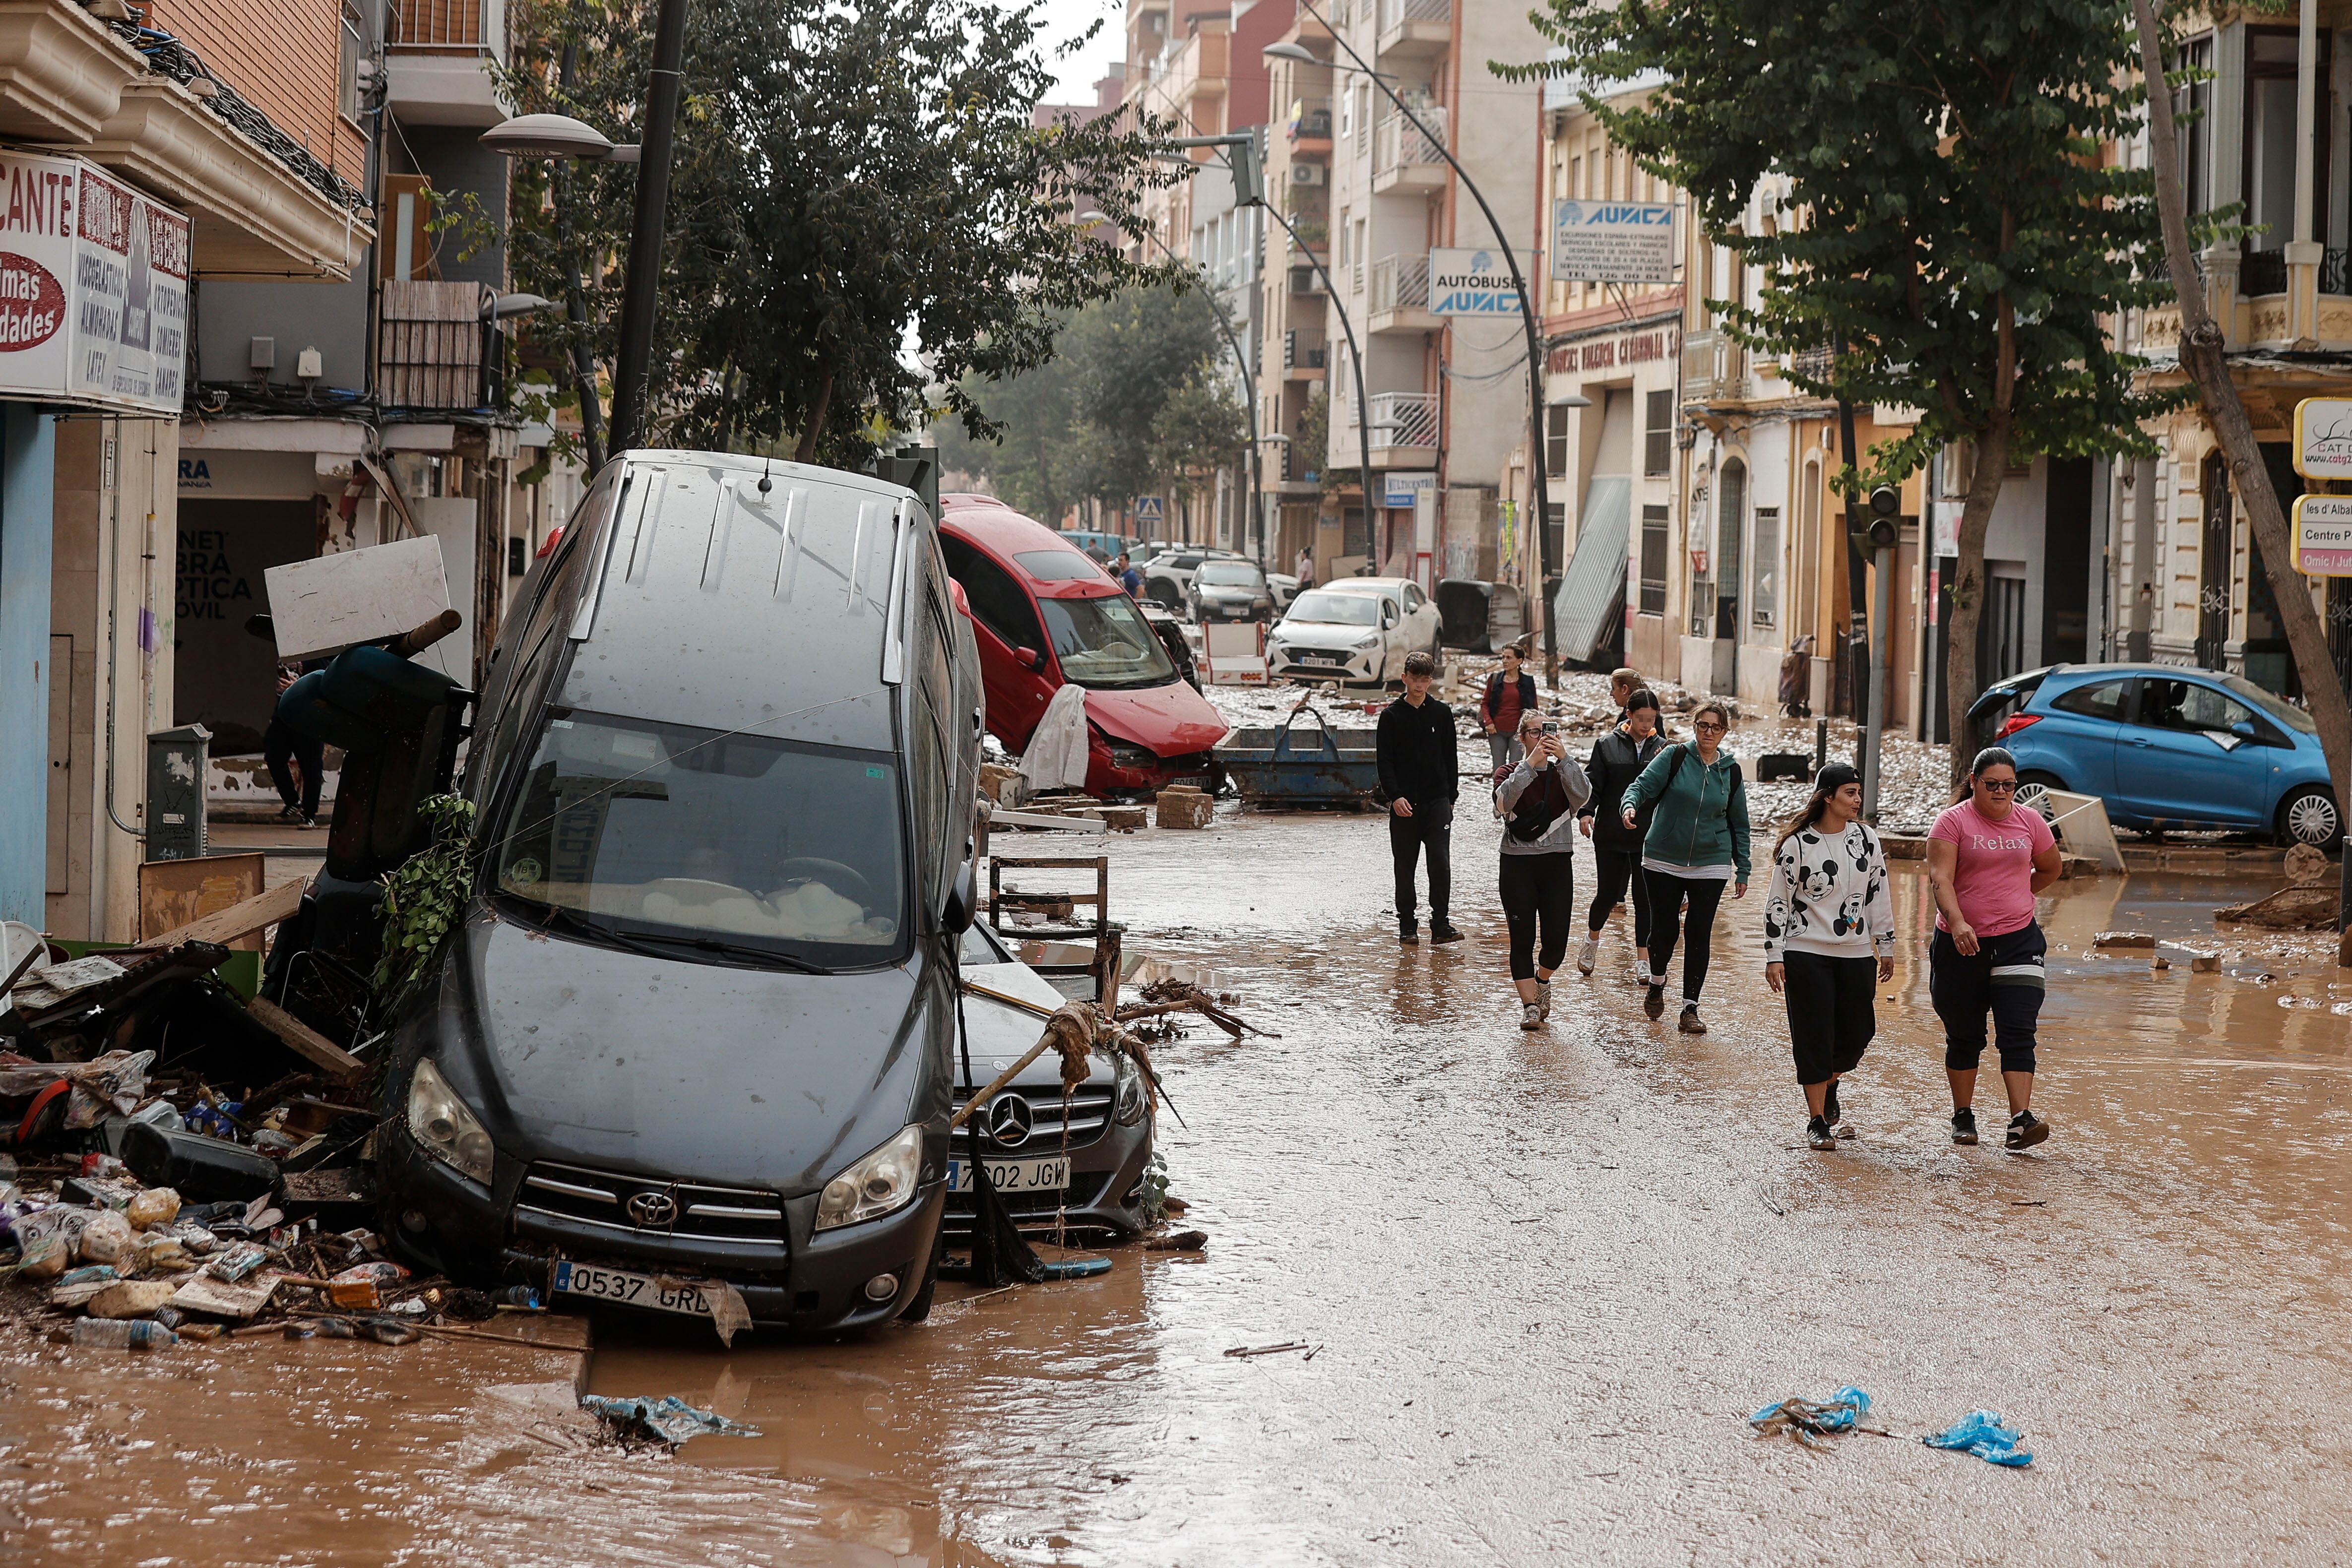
(1388, 618)
(1030, 658)
(963, 902)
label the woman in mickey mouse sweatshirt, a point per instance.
(1829, 940)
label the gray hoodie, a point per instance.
(1559, 839)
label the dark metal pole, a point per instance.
(1364, 406)
(642, 291)
(1528, 319)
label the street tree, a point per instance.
(861, 211)
(1929, 190)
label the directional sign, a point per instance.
(2322, 438)
(2322, 534)
(1147, 510)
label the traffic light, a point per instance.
(1879, 532)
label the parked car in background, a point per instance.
(1352, 635)
(2165, 747)
(1167, 576)
(1224, 589)
(1284, 587)
(1045, 615)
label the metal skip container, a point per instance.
(1302, 764)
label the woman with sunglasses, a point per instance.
(1986, 861)
(1696, 841)
(1828, 941)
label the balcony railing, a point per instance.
(1395, 13)
(1400, 283)
(1306, 280)
(1405, 419)
(1301, 352)
(1399, 144)
(448, 23)
(1312, 122)
(433, 348)
(1714, 367)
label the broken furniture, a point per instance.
(1054, 918)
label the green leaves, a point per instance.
(423, 899)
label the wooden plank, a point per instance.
(176, 894)
(243, 919)
(304, 1040)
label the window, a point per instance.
(2193, 106)
(1658, 434)
(1653, 560)
(1104, 643)
(2100, 700)
(1556, 439)
(998, 603)
(1764, 584)
(1057, 565)
(2186, 705)
(347, 66)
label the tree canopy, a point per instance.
(861, 211)
(1930, 185)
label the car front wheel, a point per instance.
(2033, 788)
(2309, 816)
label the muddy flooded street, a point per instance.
(1541, 1278)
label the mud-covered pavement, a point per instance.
(1546, 1275)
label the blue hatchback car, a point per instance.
(2166, 747)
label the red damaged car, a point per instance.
(1044, 613)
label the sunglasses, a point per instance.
(1998, 786)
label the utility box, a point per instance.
(176, 760)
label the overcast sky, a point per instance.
(1068, 20)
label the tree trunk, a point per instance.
(2202, 355)
(1961, 686)
(815, 426)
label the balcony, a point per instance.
(433, 348)
(435, 62)
(1400, 300)
(1310, 126)
(1714, 369)
(1306, 280)
(1406, 158)
(1415, 29)
(1404, 430)
(1302, 356)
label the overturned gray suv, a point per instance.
(698, 1022)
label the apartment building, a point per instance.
(1295, 345)
(140, 164)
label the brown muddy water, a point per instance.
(1546, 1275)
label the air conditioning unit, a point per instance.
(1307, 173)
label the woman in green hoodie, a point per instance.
(1696, 840)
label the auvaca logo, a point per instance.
(32, 303)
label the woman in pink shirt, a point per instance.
(1986, 861)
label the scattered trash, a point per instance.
(2297, 908)
(670, 1420)
(1183, 805)
(1247, 1351)
(114, 1333)
(1809, 1420)
(1984, 1434)
(1179, 1241)
(2198, 960)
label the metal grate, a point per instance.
(1405, 419)
(1400, 283)
(1399, 142)
(437, 22)
(429, 353)
(647, 1206)
(1090, 1113)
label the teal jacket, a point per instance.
(1702, 815)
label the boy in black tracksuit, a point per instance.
(1419, 776)
(1618, 758)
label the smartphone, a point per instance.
(1551, 727)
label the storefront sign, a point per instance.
(1612, 242)
(2323, 531)
(1471, 282)
(2322, 438)
(1404, 489)
(93, 288)
(1608, 353)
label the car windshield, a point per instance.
(2271, 703)
(660, 828)
(1058, 566)
(1231, 574)
(1343, 608)
(1104, 643)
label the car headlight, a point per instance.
(1128, 1108)
(445, 1126)
(1261, 604)
(1364, 642)
(881, 1183)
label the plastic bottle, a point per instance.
(120, 1333)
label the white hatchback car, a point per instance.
(1355, 630)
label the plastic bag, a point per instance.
(1808, 1419)
(668, 1420)
(1984, 1434)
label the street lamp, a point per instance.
(1249, 381)
(561, 136)
(1300, 53)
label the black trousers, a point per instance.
(1666, 896)
(1430, 828)
(1538, 895)
(278, 744)
(2004, 978)
(1615, 873)
(1830, 1020)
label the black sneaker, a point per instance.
(290, 814)
(1818, 1134)
(1654, 1002)
(2026, 1129)
(1964, 1126)
(1832, 1115)
(1440, 934)
(1410, 938)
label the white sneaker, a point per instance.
(1587, 955)
(1543, 999)
(1531, 1016)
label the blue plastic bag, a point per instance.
(1984, 1434)
(1806, 1419)
(667, 1420)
